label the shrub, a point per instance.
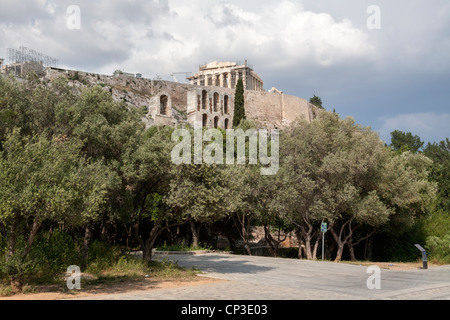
(102, 256)
(58, 250)
(18, 270)
(439, 248)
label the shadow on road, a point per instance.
(212, 263)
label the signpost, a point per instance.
(424, 256)
(323, 229)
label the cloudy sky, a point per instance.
(387, 66)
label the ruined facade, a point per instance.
(21, 69)
(226, 75)
(212, 108)
(209, 103)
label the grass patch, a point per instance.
(5, 290)
(135, 268)
(106, 275)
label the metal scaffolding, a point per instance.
(24, 54)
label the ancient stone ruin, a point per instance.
(208, 99)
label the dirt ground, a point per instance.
(395, 265)
(54, 292)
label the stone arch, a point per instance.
(216, 122)
(216, 102)
(204, 99)
(205, 120)
(226, 104)
(227, 124)
(163, 105)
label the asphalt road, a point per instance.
(262, 278)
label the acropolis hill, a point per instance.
(209, 98)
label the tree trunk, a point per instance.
(273, 244)
(86, 242)
(368, 249)
(50, 233)
(339, 252)
(352, 245)
(12, 241)
(32, 235)
(148, 248)
(245, 237)
(305, 235)
(308, 252)
(341, 238)
(351, 250)
(316, 247)
(195, 233)
(150, 242)
(300, 244)
(148, 245)
(16, 286)
(244, 230)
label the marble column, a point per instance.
(221, 80)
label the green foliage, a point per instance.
(75, 158)
(239, 104)
(17, 268)
(317, 101)
(337, 171)
(54, 184)
(102, 256)
(50, 256)
(201, 192)
(439, 248)
(440, 172)
(402, 141)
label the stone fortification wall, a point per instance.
(267, 109)
(275, 110)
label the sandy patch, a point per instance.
(55, 292)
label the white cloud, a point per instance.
(429, 126)
(163, 37)
(278, 34)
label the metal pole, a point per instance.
(323, 246)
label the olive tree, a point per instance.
(45, 180)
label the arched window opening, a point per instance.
(163, 105)
(225, 107)
(205, 120)
(216, 122)
(216, 102)
(204, 99)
